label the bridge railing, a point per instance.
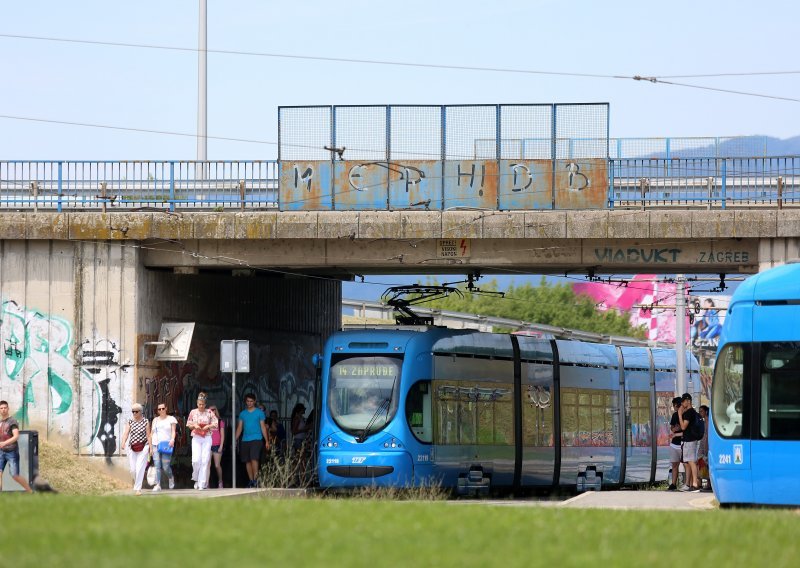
(705, 182)
(132, 185)
(251, 185)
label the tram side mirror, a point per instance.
(316, 360)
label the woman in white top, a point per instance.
(163, 430)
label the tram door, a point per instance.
(638, 416)
(776, 438)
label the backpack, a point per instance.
(698, 427)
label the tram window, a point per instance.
(780, 391)
(727, 395)
(418, 411)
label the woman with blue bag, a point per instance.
(163, 430)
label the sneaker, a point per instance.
(172, 483)
(219, 485)
(137, 492)
(201, 488)
(196, 485)
(156, 488)
(672, 487)
(685, 489)
(696, 489)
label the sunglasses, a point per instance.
(161, 408)
(136, 411)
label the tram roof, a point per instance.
(779, 283)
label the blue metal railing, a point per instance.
(130, 185)
(250, 185)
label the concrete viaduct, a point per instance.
(84, 292)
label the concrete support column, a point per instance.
(775, 252)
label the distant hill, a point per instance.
(731, 147)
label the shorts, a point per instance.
(675, 454)
(12, 458)
(215, 449)
(251, 451)
(690, 451)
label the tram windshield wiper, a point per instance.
(382, 407)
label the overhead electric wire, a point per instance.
(652, 79)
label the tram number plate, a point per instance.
(453, 248)
(724, 459)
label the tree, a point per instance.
(547, 304)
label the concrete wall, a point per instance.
(74, 317)
(67, 335)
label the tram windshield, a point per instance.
(362, 393)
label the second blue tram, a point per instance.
(754, 441)
(478, 411)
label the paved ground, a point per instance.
(625, 499)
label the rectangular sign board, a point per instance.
(234, 356)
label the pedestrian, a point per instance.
(687, 416)
(280, 432)
(217, 446)
(299, 427)
(163, 435)
(9, 449)
(675, 450)
(253, 431)
(201, 422)
(137, 438)
(702, 450)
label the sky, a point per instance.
(156, 89)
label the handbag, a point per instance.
(164, 448)
(137, 447)
(151, 475)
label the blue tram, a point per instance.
(480, 411)
(754, 444)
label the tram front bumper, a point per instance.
(346, 469)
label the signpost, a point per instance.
(234, 357)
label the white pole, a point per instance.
(202, 83)
(233, 406)
(680, 334)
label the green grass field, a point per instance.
(58, 530)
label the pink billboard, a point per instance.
(642, 290)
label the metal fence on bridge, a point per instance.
(249, 185)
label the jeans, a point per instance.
(162, 461)
(10, 457)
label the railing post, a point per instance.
(724, 193)
(780, 192)
(172, 186)
(710, 185)
(610, 184)
(241, 194)
(643, 183)
(35, 191)
(103, 196)
(60, 186)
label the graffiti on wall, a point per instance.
(439, 184)
(37, 377)
(110, 382)
(281, 375)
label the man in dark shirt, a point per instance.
(686, 417)
(675, 443)
(9, 450)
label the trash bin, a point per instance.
(28, 443)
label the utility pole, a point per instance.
(680, 333)
(202, 84)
